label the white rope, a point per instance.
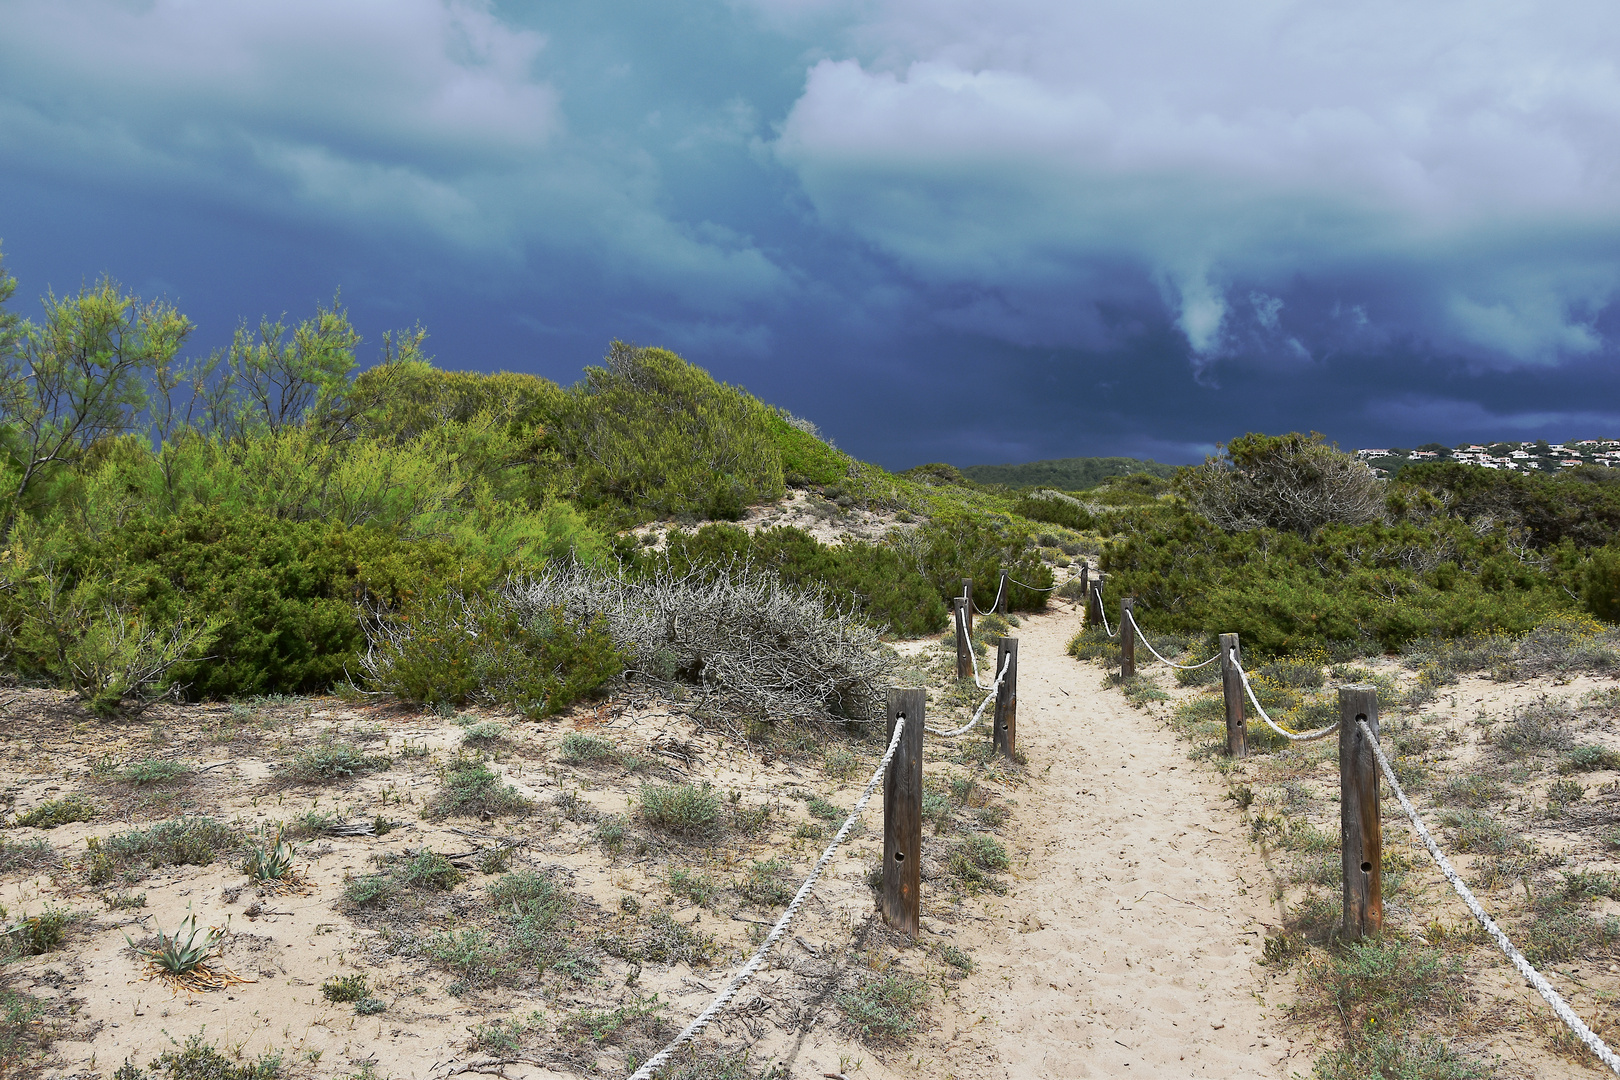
(961, 620)
(1297, 736)
(1143, 639)
(1002, 584)
(1005, 664)
(1103, 612)
(1031, 588)
(723, 998)
(1531, 975)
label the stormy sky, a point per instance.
(973, 233)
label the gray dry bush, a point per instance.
(758, 649)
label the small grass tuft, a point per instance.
(342, 989)
(329, 761)
(49, 815)
(577, 748)
(472, 789)
(691, 811)
(153, 771)
(886, 1007)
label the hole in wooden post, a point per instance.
(1366, 868)
(899, 856)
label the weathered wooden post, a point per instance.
(902, 815)
(964, 644)
(1127, 638)
(1085, 595)
(1094, 613)
(967, 594)
(1004, 726)
(1237, 733)
(1001, 593)
(1362, 833)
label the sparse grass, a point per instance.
(329, 761)
(533, 935)
(504, 1036)
(610, 832)
(49, 815)
(343, 989)
(1543, 726)
(1379, 986)
(821, 808)
(184, 841)
(495, 860)
(1586, 759)
(693, 886)
(20, 1032)
(600, 1026)
(840, 764)
(957, 959)
(370, 889)
(197, 1061)
(471, 789)
(765, 884)
(975, 860)
(1565, 791)
(485, 732)
(885, 1007)
(661, 940)
(1474, 792)
(1476, 833)
(153, 771)
(691, 811)
(577, 748)
(1379, 1055)
(17, 854)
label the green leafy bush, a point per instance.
(454, 647)
(886, 587)
(651, 432)
(48, 815)
(687, 810)
(1057, 509)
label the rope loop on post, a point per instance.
(1005, 664)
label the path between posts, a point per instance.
(1127, 942)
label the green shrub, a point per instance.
(955, 545)
(1375, 1054)
(885, 1008)
(1578, 759)
(651, 432)
(578, 748)
(805, 458)
(765, 884)
(1475, 792)
(471, 789)
(183, 841)
(342, 989)
(331, 761)
(34, 935)
(153, 771)
(370, 889)
(48, 815)
(453, 647)
(428, 870)
(976, 859)
(1056, 508)
(885, 586)
(196, 1061)
(691, 811)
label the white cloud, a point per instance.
(1220, 146)
(421, 118)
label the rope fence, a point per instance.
(994, 688)
(1361, 844)
(729, 991)
(1531, 975)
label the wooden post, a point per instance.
(902, 815)
(1362, 835)
(1001, 593)
(1004, 726)
(1237, 733)
(1085, 595)
(964, 644)
(1094, 612)
(967, 594)
(1127, 639)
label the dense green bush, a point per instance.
(454, 647)
(955, 545)
(1055, 508)
(887, 589)
(653, 432)
(805, 458)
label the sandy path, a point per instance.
(1127, 943)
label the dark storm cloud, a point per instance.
(943, 230)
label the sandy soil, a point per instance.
(1127, 944)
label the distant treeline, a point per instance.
(1066, 474)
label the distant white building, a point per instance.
(1372, 453)
(1519, 455)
